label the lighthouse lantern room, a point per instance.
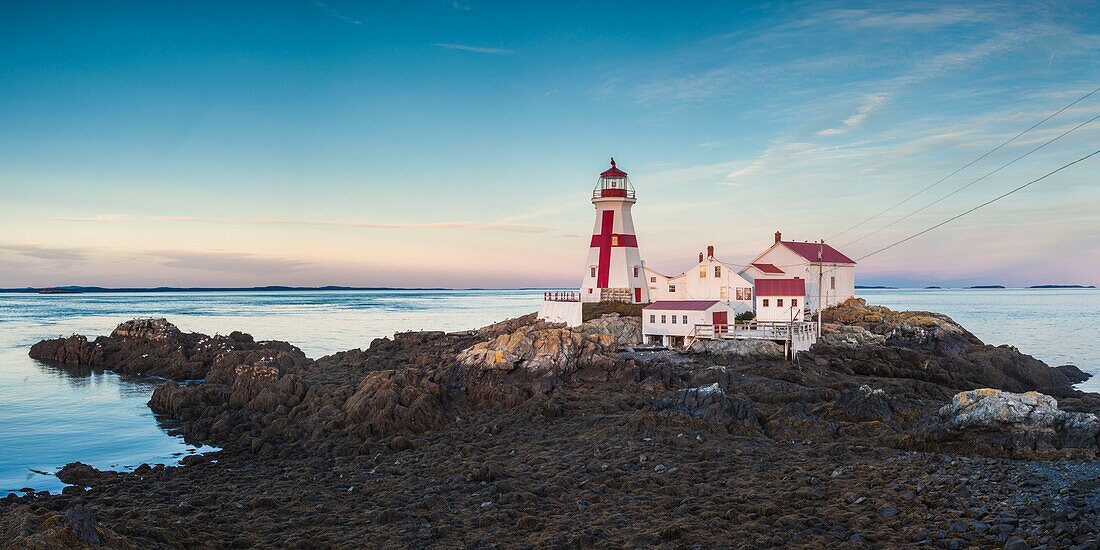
(614, 269)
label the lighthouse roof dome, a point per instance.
(613, 172)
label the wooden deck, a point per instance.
(800, 334)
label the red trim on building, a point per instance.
(606, 226)
(809, 251)
(629, 241)
(768, 268)
(781, 287)
(681, 305)
(613, 192)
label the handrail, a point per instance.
(561, 296)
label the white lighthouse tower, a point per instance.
(614, 269)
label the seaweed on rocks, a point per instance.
(529, 434)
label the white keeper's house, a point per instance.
(805, 260)
(710, 279)
(670, 322)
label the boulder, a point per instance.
(711, 404)
(147, 329)
(862, 404)
(1024, 422)
(542, 352)
(627, 331)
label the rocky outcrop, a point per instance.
(912, 329)
(862, 404)
(156, 347)
(739, 349)
(711, 404)
(928, 347)
(542, 352)
(147, 329)
(389, 402)
(1022, 423)
(849, 337)
(627, 331)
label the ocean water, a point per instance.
(50, 416)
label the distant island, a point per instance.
(1062, 286)
(876, 287)
(933, 288)
(987, 286)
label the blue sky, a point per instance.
(455, 143)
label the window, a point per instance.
(614, 240)
(765, 302)
(794, 302)
(685, 319)
(652, 318)
(702, 272)
(832, 283)
(653, 279)
(662, 319)
(724, 293)
(748, 294)
(717, 271)
(674, 319)
(740, 293)
(779, 302)
(635, 271)
(593, 269)
(590, 291)
(672, 288)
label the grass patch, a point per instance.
(592, 310)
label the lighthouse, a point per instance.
(614, 269)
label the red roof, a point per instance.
(780, 287)
(613, 172)
(681, 305)
(809, 251)
(768, 268)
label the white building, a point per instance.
(806, 260)
(614, 270)
(668, 322)
(780, 300)
(614, 267)
(710, 279)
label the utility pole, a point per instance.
(820, 282)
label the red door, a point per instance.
(720, 320)
(637, 295)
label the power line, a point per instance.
(986, 203)
(957, 191)
(967, 165)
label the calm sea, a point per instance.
(50, 416)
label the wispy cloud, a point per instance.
(460, 6)
(42, 252)
(457, 225)
(475, 49)
(871, 104)
(332, 11)
(226, 262)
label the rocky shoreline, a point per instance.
(895, 429)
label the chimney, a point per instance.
(710, 251)
(700, 257)
(778, 236)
